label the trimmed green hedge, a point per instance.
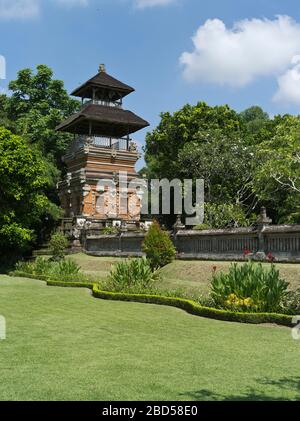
(189, 306)
(20, 274)
(52, 282)
(196, 309)
(70, 284)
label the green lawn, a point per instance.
(64, 344)
(193, 276)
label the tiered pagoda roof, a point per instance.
(108, 121)
(103, 114)
(106, 85)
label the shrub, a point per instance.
(158, 247)
(110, 231)
(42, 266)
(226, 215)
(65, 267)
(132, 273)
(58, 244)
(63, 270)
(291, 302)
(201, 227)
(194, 308)
(249, 287)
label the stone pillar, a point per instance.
(262, 222)
(178, 224)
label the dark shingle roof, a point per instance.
(103, 81)
(110, 121)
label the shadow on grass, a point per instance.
(284, 384)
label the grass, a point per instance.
(63, 344)
(192, 276)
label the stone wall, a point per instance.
(124, 244)
(283, 241)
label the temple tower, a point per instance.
(101, 148)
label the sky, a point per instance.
(173, 52)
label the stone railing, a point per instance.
(282, 241)
(124, 244)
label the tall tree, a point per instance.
(37, 105)
(276, 178)
(23, 202)
(184, 126)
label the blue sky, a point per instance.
(245, 52)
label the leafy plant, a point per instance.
(249, 287)
(136, 272)
(66, 267)
(58, 244)
(201, 227)
(158, 247)
(63, 270)
(291, 302)
(109, 230)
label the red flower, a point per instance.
(246, 252)
(270, 257)
(214, 268)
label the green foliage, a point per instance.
(189, 306)
(58, 244)
(184, 126)
(110, 231)
(194, 308)
(23, 202)
(224, 161)
(158, 247)
(66, 267)
(37, 105)
(32, 160)
(226, 216)
(291, 302)
(249, 287)
(201, 227)
(276, 177)
(246, 160)
(132, 273)
(64, 270)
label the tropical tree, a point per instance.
(176, 130)
(276, 177)
(37, 105)
(23, 202)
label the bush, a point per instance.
(220, 216)
(63, 270)
(58, 244)
(110, 231)
(66, 267)
(201, 227)
(249, 287)
(132, 273)
(194, 308)
(291, 302)
(158, 247)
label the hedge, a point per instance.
(196, 309)
(190, 306)
(52, 282)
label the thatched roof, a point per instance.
(106, 85)
(107, 121)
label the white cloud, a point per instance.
(19, 9)
(237, 56)
(142, 4)
(289, 84)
